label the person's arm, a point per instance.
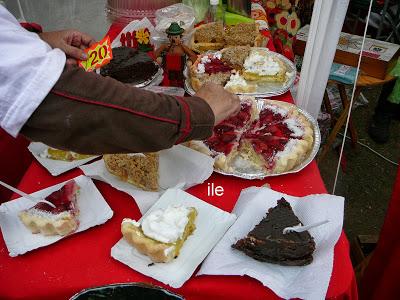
(159, 50)
(91, 114)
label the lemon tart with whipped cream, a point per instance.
(261, 66)
(161, 234)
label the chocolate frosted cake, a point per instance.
(130, 66)
(267, 243)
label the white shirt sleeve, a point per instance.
(29, 68)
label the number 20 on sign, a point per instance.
(99, 54)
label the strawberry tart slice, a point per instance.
(59, 220)
(271, 140)
(226, 136)
(279, 140)
(209, 68)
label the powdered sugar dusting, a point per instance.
(291, 144)
(294, 127)
(47, 215)
(277, 110)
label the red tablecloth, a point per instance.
(83, 260)
(381, 278)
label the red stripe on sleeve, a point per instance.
(109, 105)
(188, 128)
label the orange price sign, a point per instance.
(99, 54)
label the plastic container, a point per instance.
(180, 13)
(125, 11)
(200, 8)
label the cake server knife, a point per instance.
(25, 195)
(301, 228)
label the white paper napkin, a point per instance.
(211, 224)
(307, 282)
(55, 167)
(94, 210)
(180, 167)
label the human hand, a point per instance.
(222, 102)
(72, 42)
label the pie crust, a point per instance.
(61, 220)
(158, 252)
(273, 140)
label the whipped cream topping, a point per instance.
(205, 60)
(218, 55)
(166, 226)
(201, 68)
(236, 80)
(261, 64)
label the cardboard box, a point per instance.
(377, 59)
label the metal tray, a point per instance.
(260, 175)
(156, 79)
(264, 89)
(119, 291)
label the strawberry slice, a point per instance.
(64, 199)
(222, 128)
(228, 137)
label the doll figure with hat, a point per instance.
(172, 56)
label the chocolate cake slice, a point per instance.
(130, 66)
(267, 243)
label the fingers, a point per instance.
(87, 39)
(222, 103)
(71, 62)
(236, 104)
(75, 52)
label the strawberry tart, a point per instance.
(272, 140)
(59, 220)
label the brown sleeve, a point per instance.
(91, 114)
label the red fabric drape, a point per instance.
(15, 159)
(381, 278)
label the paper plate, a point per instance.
(193, 251)
(94, 210)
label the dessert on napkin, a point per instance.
(266, 241)
(64, 155)
(139, 169)
(59, 220)
(162, 233)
